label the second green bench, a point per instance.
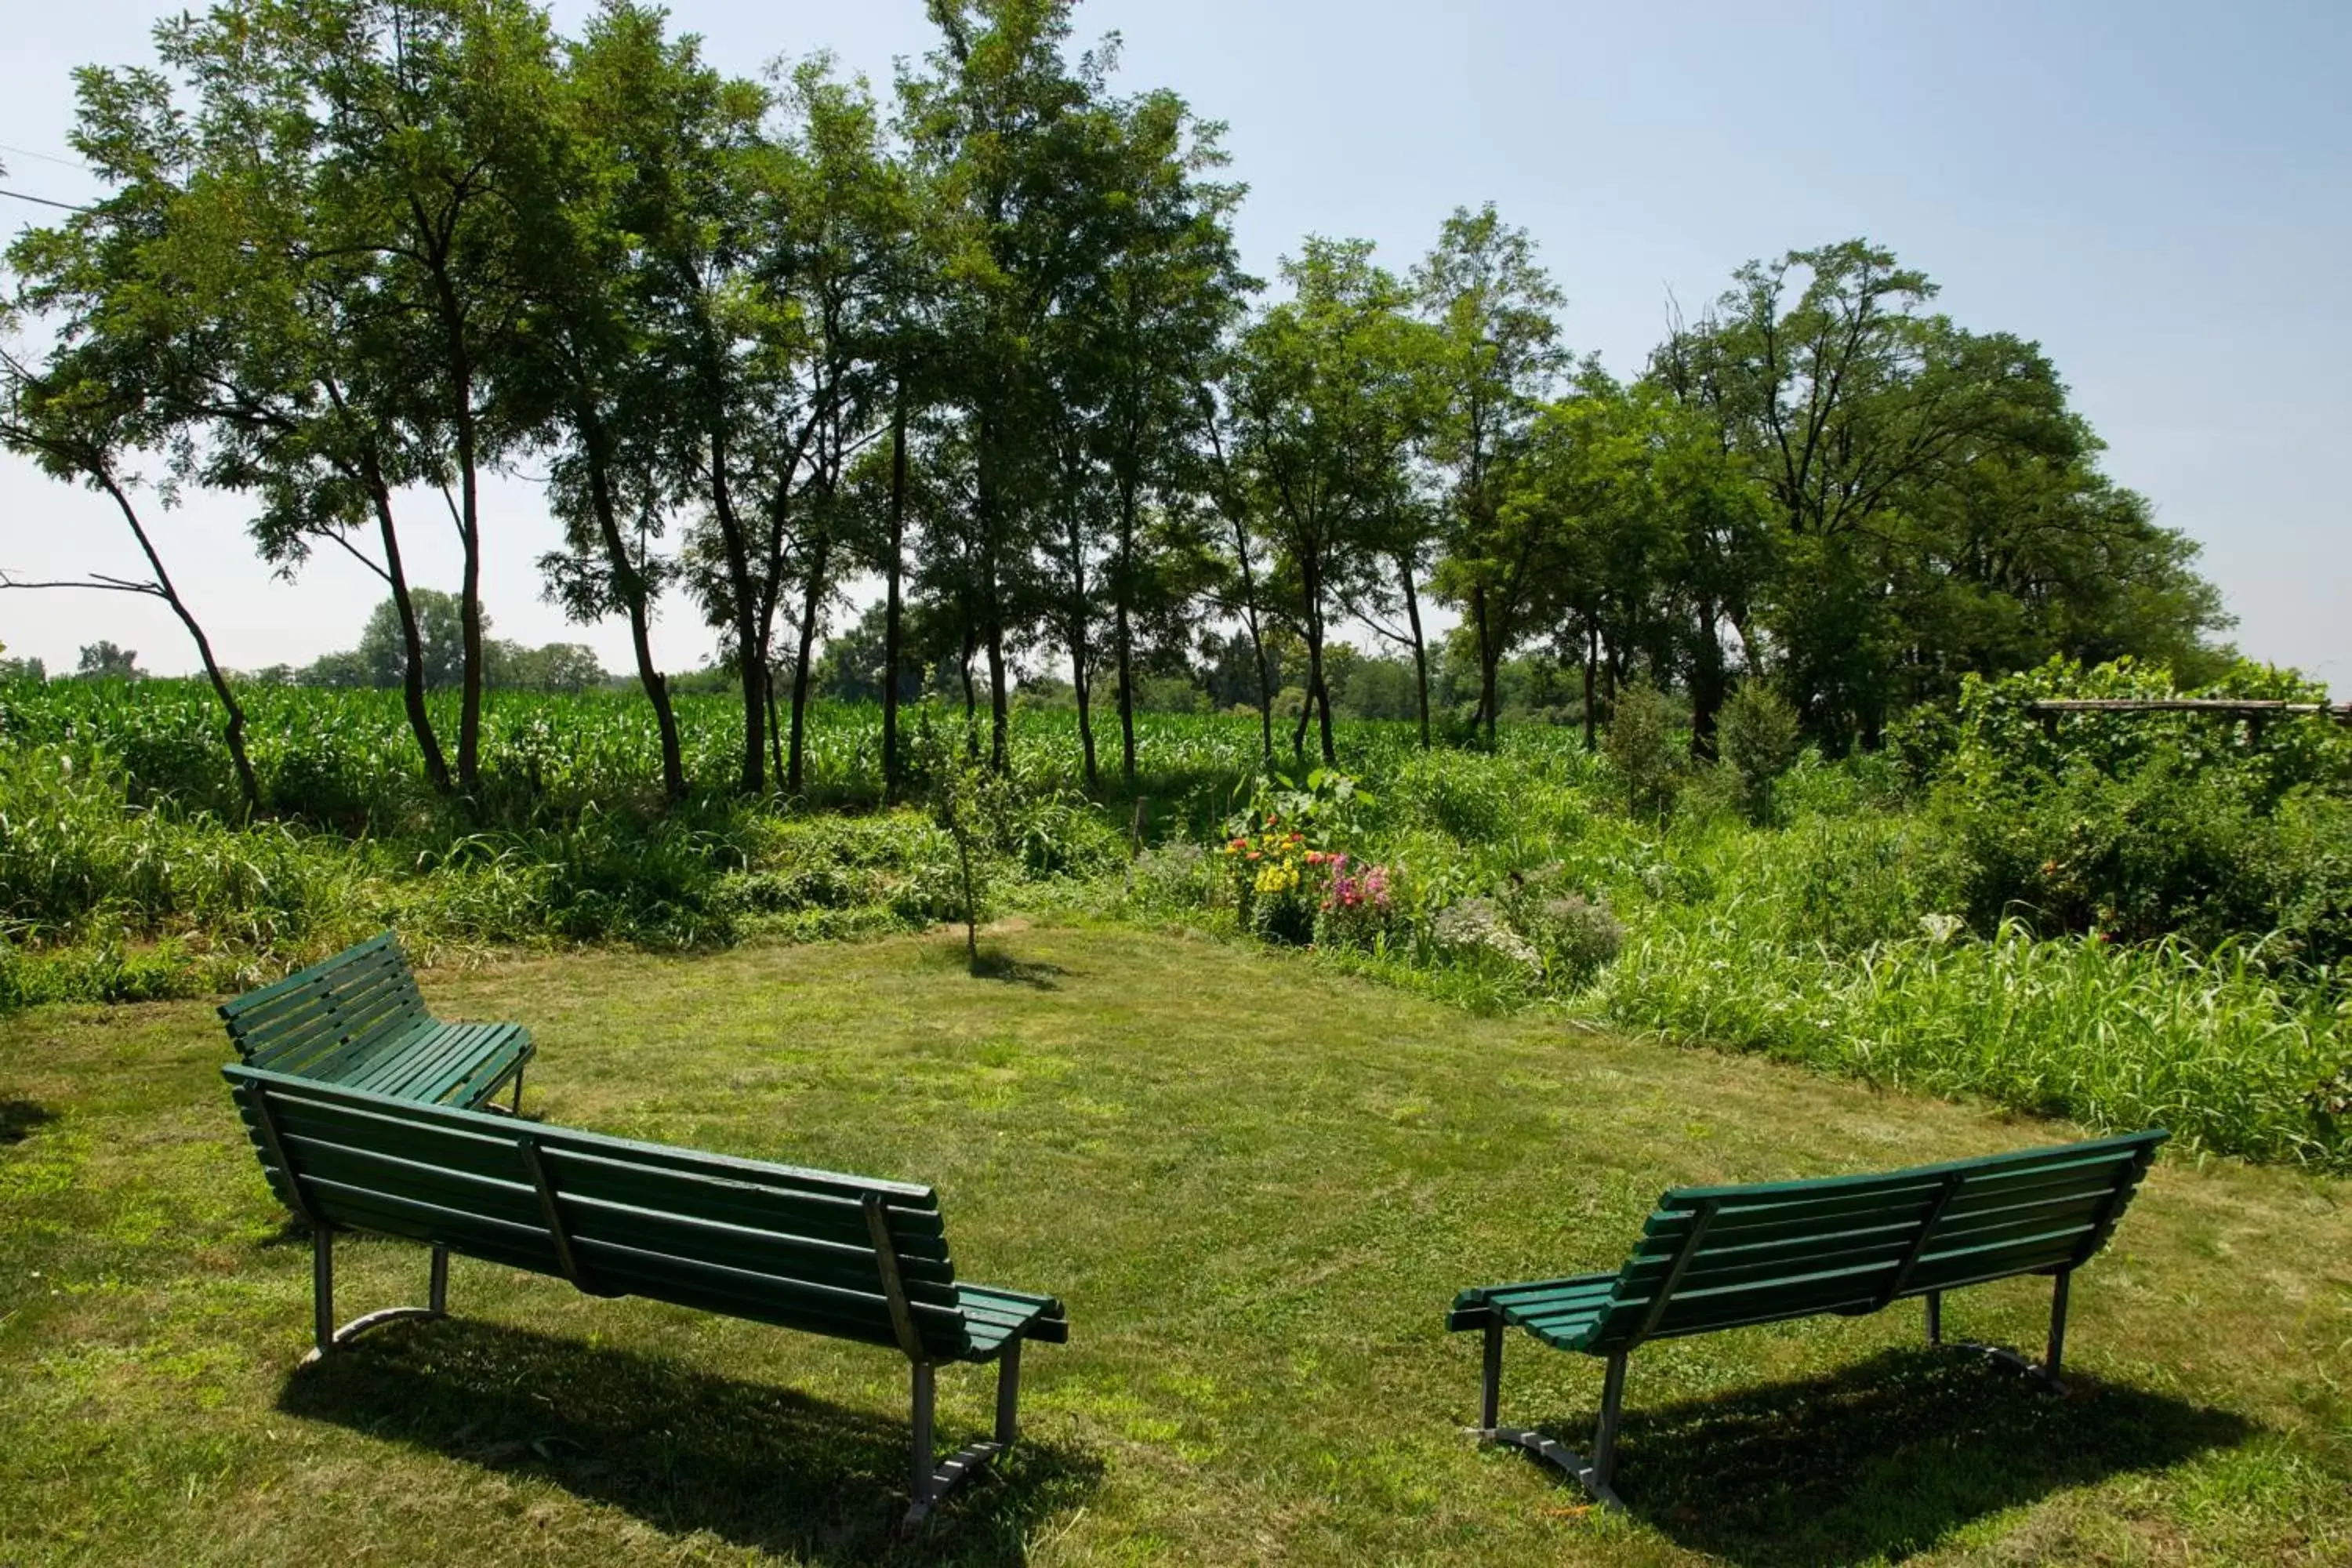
(1726, 1258)
(358, 1019)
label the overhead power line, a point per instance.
(43, 157)
(42, 201)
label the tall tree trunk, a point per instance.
(1084, 690)
(1592, 718)
(891, 566)
(233, 731)
(1323, 703)
(1249, 600)
(412, 639)
(775, 724)
(820, 548)
(752, 775)
(629, 582)
(469, 536)
(1123, 600)
(1313, 583)
(1490, 655)
(1000, 695)
(1419, 646)
(992, 603)
(1257, 643)
(1706, 680)
(970, 697)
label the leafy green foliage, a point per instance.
(1643, 752)
(1759, 740)
(2141, 825)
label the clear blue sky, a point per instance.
(2161, 194)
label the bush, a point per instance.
(1568, 925)
(1642, 750)
(1757, 738)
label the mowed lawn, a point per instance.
(1255, 1183)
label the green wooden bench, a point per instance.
(841, 1256)
(1726, 1258)
(357, 1019)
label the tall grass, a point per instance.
(2210, 1045)
(127, 870)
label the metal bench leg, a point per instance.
(328, 1337)
(1008, 1395)
(518, 1094)
(921, 1476)
(1593, 1476)
(929, 1482)
(2054, 1357)
(1605, 1440)
(1490, 1393)
(2046, 1373)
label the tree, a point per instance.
(76, 425)
(1151, 317)
(101, 660)
(635, 117)
(1761, 741)
(1326, 391)
(1498, 352)
(1934, 504)
(1003, 128)
(384, 651)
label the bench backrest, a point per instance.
(334, 1011)
(1719, 1258)
(770, 1243)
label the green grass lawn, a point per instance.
(1255, 1183)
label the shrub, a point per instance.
(1475, 929)
(1570, 929)
(1173, 876)
(1641, 750)
(1757, 738)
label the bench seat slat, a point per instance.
(434, 1058)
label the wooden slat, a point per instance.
(795, 1256)
(789, 1302)
(261, 995)
(499, 1197)
(828, 1216)
(300, 1010)
(2019, 1160)
(379, 1031)
(330, 1014)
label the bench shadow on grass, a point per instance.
(20, 1117)
(1885, 1457)
(759, 1466)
